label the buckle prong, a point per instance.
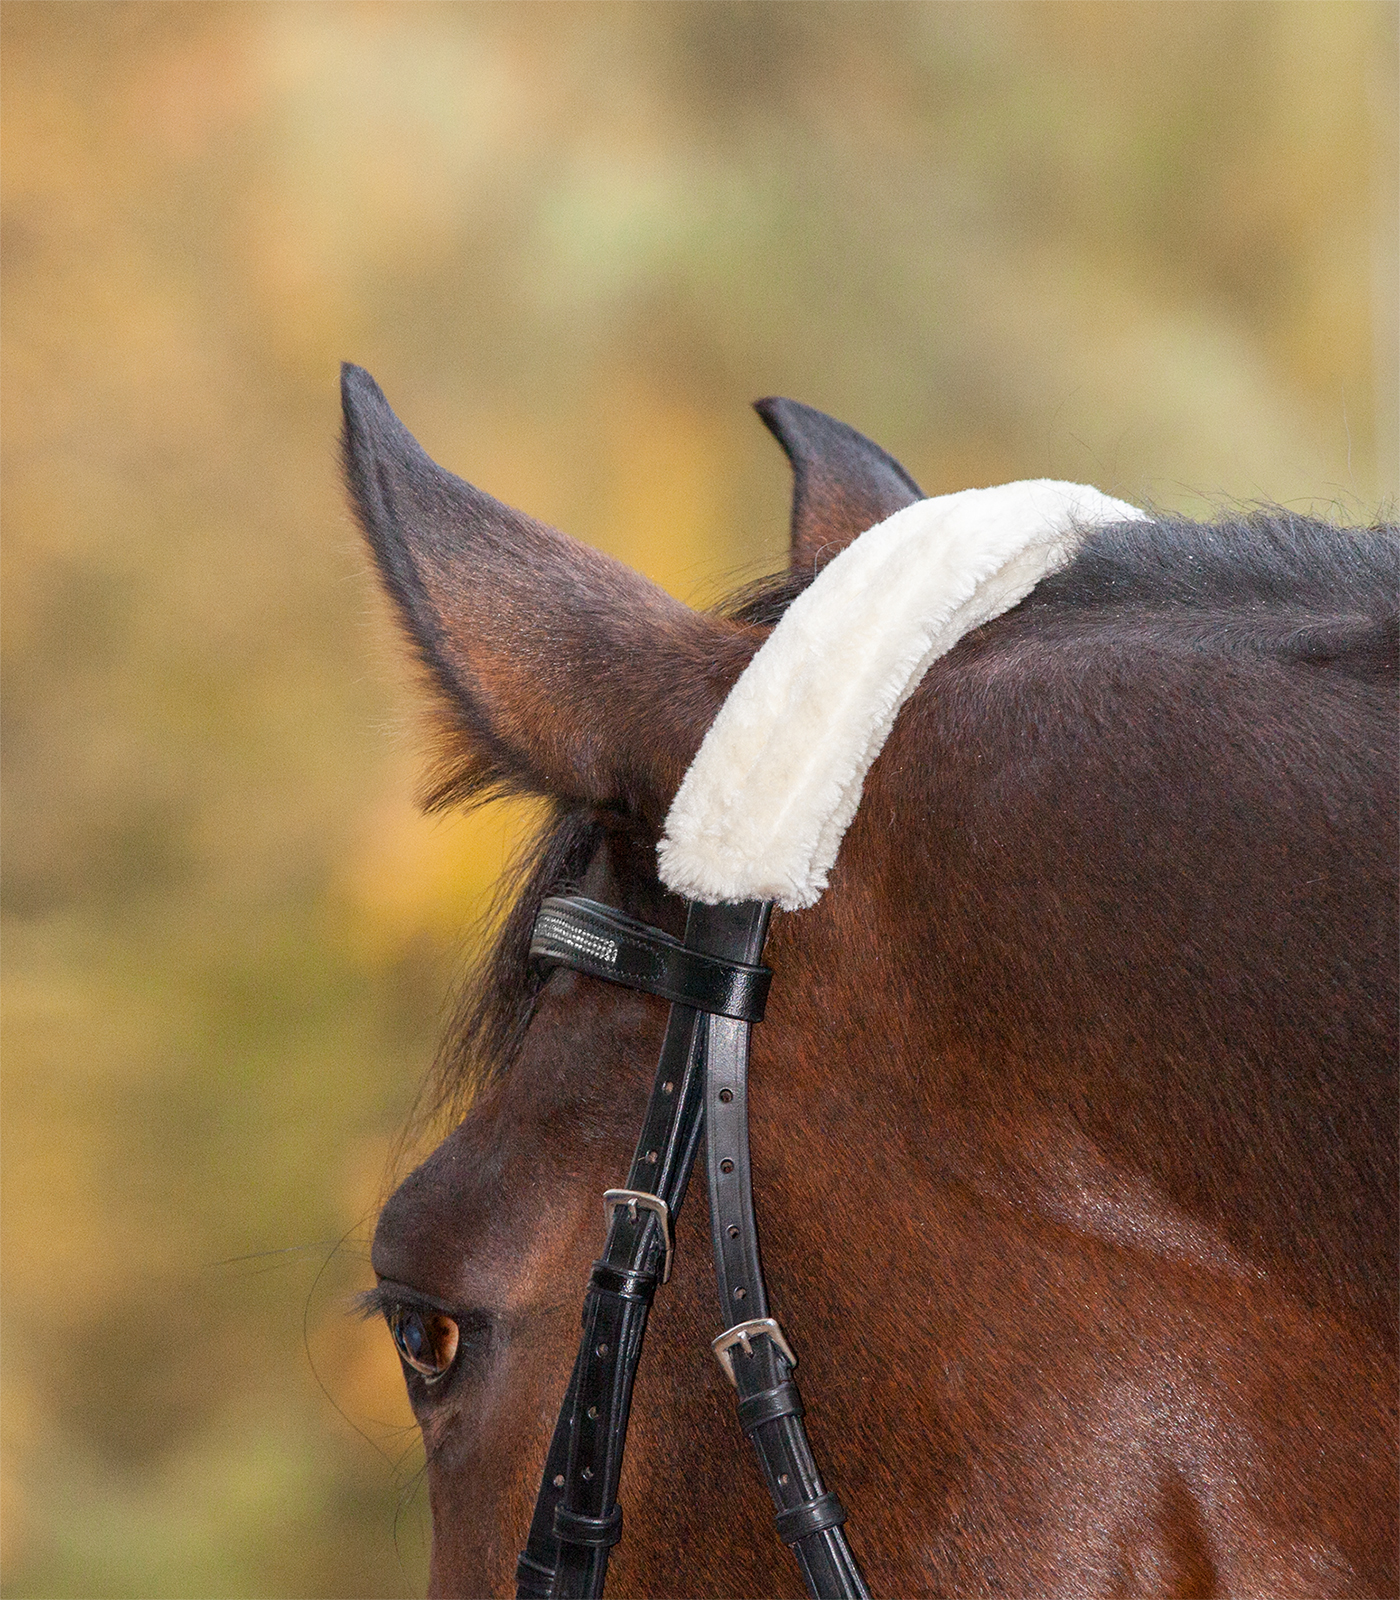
(742, 1333)
(632, 1198)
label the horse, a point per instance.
(1074, 1110)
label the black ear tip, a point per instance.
(795, 426)
(358, 391)
(787, 421)
(777, 412)
(370, 423)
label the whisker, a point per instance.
(306, 1342)
(407, 1494)
(283, 1250)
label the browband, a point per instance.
(571, 931)
(717, 990)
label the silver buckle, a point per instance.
(632, 1198)
(741, 1333)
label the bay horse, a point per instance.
(1074, 1111)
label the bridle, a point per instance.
(758, 818)
(717, 991)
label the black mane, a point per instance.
(1271, 558)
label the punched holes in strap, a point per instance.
(572, 931)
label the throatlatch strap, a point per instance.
(577, 1518)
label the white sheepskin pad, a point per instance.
(762, 811)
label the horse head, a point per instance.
(1073, 1109)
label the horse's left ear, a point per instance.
(560, 671)
(842, 484)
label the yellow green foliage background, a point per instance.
(1147, 246)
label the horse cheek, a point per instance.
(483, 1469)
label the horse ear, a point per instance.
(559, 671)
(842, 483)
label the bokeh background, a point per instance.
(1152, 247)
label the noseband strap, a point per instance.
(717, 990)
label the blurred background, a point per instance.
(1151, 247)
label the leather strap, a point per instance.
(576, 1517)
(753, 1350)
(769, 1404)
(596, 1531)
(717, 990)
(584, 1461)
(574, 932)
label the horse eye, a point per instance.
(426, 1340)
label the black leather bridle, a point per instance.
(717, 992)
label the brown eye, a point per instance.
(426, 1340)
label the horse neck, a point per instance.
(1050, 976)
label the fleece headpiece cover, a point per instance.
(763, 808)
